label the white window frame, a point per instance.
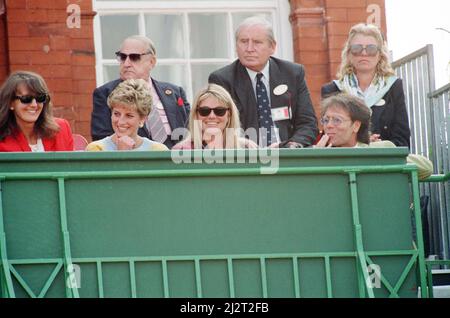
(280, 10)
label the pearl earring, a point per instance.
(12, 108)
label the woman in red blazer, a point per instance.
(26, 120)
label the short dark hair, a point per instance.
(357, 110)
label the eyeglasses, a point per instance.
(357, 49)
(218, 111)
(27, 99)
(134, 57)
(334, 120)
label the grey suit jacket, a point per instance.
(302, 127)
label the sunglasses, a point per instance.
(218, 111)
(27, 99)
(357, 49)
(134, 57)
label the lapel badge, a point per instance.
(381, 102)
(280, 89)
(168, 92)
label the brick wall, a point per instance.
(40, 40)
(320, 28)
(4, 64)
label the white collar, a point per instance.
(264, 71)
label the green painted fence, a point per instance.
(129, 224)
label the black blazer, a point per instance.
(389, 120)
(168, 93)
(302, 127)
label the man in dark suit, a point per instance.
(137, 57)
(286, 112)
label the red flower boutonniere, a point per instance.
(180, 102)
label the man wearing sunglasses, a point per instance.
(270, 93)
(170, 110)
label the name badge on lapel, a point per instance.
(281, 113)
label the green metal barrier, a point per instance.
(430, 263)
(128, 224)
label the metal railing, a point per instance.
(362, 257)
(428, 111)
(440, 103)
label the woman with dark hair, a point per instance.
(26, 119)
(365, 72)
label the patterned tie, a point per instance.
(156, 126)
(264, 112)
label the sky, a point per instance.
(411, 24)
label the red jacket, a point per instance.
(62, 141)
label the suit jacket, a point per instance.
(168, 93)
(389, 120)
(302, 127)
(62, 141)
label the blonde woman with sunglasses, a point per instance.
(214, 122)
(26, 120)
(365, 72)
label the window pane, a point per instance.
(200, 74)
(174, 74)
(208, 35)
(114, 30)
(110, 72)
(169, 43)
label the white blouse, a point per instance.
(38, 147)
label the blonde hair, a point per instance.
(233, 124)
(383, 68)
(133, 93)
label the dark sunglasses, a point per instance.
(218, 111)
(134, 57)
(357, 49)
(27, 99)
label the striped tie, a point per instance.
(156, 126)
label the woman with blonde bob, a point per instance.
(214, 122)
(130, 103)
(365, 72)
